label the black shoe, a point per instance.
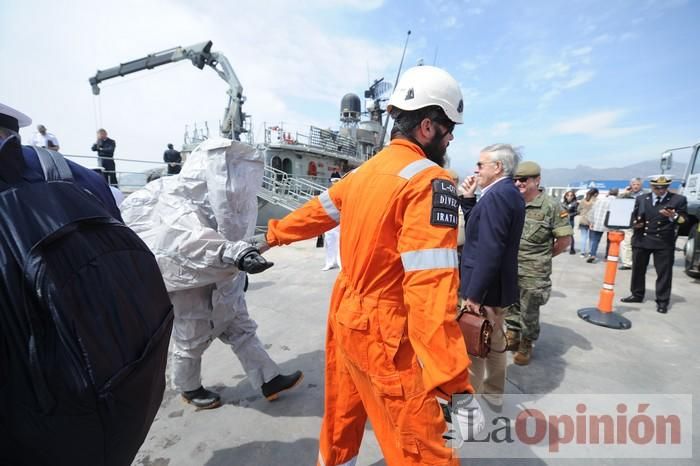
(202, 398)
(624, 267)
(572, 252)
(631, 299)
(591, 259)
(274, 387)
(662, 309)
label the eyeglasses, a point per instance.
(480, 165)
(448, 124)
(522, 179)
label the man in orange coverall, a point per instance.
(392, 341)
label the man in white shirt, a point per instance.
(42, 138)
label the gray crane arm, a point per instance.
(200, 55)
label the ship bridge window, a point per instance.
(287, 165)
(276, 163)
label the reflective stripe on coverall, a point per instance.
(392, 341)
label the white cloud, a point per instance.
(469, 66)
(581, 51)
(602, 39)
(552, 76)
(581, 77)
(450, 22)
(469, 94)
(501, 129)
(365, 5)
(297, 70)
(600, 125)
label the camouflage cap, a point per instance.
(527, 168)
(660, 180)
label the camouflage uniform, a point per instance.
(544, 221)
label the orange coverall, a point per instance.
(392, 340)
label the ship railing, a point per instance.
(287, 190)
(312, 136)
(131, 174)
(278, 187)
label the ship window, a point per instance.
(287, 166)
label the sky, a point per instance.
(598, 83)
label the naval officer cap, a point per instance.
(13, 119)
(527, 168)
(660, 180)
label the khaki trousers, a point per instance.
(488, 375)
(626, 248)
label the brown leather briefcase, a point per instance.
(476, 330)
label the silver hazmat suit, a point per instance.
(194, 223)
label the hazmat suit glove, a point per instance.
(250, 261)
(259, 242)
(467, 417)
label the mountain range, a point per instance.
(572, 176)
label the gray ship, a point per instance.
(298, 163)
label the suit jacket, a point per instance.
(657, 232)
(490, 253)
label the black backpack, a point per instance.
(85, 323)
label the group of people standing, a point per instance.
(653, 231)
(393, 344)
(591, 211)
(105, 147)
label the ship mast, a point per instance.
(396, 82)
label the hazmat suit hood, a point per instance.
(194, 222)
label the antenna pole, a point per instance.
(398, 73)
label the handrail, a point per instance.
(287, 190)
(278, 187)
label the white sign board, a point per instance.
(620, 214)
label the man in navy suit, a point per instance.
(490, 256)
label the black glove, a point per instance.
(251, 261)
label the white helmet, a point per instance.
(423, 86)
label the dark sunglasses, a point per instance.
(449, 125)
(522, 179)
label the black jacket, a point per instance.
(657, 231)
(172, 156)
(105, 148)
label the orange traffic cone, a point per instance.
(603, 315)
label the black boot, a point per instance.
(274, 387)
(202, 398)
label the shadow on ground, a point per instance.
(257, 285)
(548, 365)
(306, 399)
(303, 451)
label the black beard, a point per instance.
(433, 150)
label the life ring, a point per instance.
(313, 171)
